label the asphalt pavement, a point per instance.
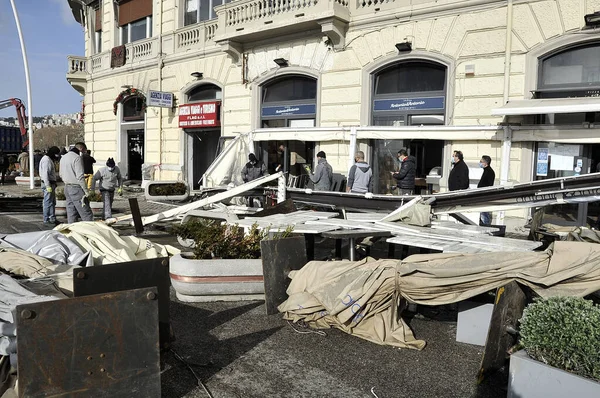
(235, 350)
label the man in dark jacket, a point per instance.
(4, 164)
(405, 177)
(487, 180)
(88, 167)
(253, 169)
(360, 177)
(459, 175)
(322, 178)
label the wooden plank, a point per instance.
(508, 309)
(365, 217)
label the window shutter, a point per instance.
(98, 23)
(132, 10)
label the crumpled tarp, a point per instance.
(359, 297)
(564, 269)
(108, 247)
(578, 234)
(51, 245)
(355, 297)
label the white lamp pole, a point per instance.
(28, 86)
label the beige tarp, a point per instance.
(355, 297)
(107, 247)
(358, 297)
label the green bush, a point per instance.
(216, 240)
(563, 332)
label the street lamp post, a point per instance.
(29, 102)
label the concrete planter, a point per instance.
(61, 208)
(165, 198)
(216, 280)
(24, 181)
(529, 378)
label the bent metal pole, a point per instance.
(29, 102)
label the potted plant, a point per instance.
(23, 180)
(561, 341)
(96, 203)
(167, 191)
(225, 263)
(60, 209)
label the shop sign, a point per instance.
(201, 114)
(404, 104)
(161, 99)
(288, 110)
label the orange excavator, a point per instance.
(18, 104)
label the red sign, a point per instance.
(201, 114)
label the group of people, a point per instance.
(79, 185)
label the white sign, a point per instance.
(159, 98)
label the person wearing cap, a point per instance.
(253, 169)
(110, 179)
(323, 175)
(48, 176)
(76, 190)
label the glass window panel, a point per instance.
(390, 121)
(205, 92)
(204, 10)
(427, 120)
(411, 77)
(124, 34)
(295, 88)
(132, 109)
(138, 30)
(215, 3)
(574, 67)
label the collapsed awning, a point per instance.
(547, 106)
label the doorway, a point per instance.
(204, 146)
(135, 154)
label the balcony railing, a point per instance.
(195, 36)
(141, 50)
(77, 64)
(250, 19)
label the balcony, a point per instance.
(77, 73)
(251, 20)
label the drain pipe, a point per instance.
(160, 77)
(507, 131)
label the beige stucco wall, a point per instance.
(476, 37)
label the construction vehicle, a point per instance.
(14, 139)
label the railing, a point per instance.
(242, 12)
(97, 62)
(77, 64)
(196, 35)
(141, 50)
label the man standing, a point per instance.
(110, 179)
(48, 176)
(405, 177)
(253, 169)
(4, 164)
(76, 191)
(88, 167)
(323, 175)
(487, 180)
(459, 175)
(360, 177)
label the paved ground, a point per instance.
(238, 351)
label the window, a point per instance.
(296, 88)
(137, 30)
(98, 28)
(200, 10)
(132, 109)
(577, 67)
(98, 43)
(205, 92)
(411, 77)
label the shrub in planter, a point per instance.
(59, 193)
(563, 332)
(174, 189)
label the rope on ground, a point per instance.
(307, 329)
(373, 392)
(200, 383)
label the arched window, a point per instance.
(133, 109)
(409, 93)
(205, 92)
(289, 101)
(572, 71)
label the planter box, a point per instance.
(216, 280)
(61, 208)
(24, 181)
(529, 378)
(165, 198)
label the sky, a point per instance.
(50, 33)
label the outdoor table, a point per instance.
(352, 235)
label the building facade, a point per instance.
(516, 80)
